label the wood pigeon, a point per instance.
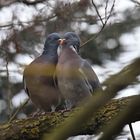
(76, 78)
(39, 76)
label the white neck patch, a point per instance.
(59, 50)
(73, 48)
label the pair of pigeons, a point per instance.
(60, 74)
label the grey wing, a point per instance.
(55, 79)
(90, 76)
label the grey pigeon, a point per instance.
(76, 78)
(39, 78)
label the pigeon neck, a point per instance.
(69, 52)
(70, 49)
(52, 51)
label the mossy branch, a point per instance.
(34, 127)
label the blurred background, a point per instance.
(24, 25)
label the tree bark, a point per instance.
(34, 127)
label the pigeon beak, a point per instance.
(61, 42)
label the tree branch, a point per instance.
(96, 9)
(34, 127)
(123, 118)
(136, 2)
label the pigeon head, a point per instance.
(51, 43)
(71, 39)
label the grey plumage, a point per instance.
(39, 76)
(76, 78)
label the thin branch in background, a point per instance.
(7, 25)
(132, 131)
(97, 12)
(136, 2)
(106, 6)
(103, 26)
(8, 88)
(18, 110)
(111, 10)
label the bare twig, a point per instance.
(132, 131)
(103, 26)
(135, 1)
(8, 88)
(106, 6)
(97, 11)
(18, 110)
(110, 13)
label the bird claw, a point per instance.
(64, 111)
(38, 113)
